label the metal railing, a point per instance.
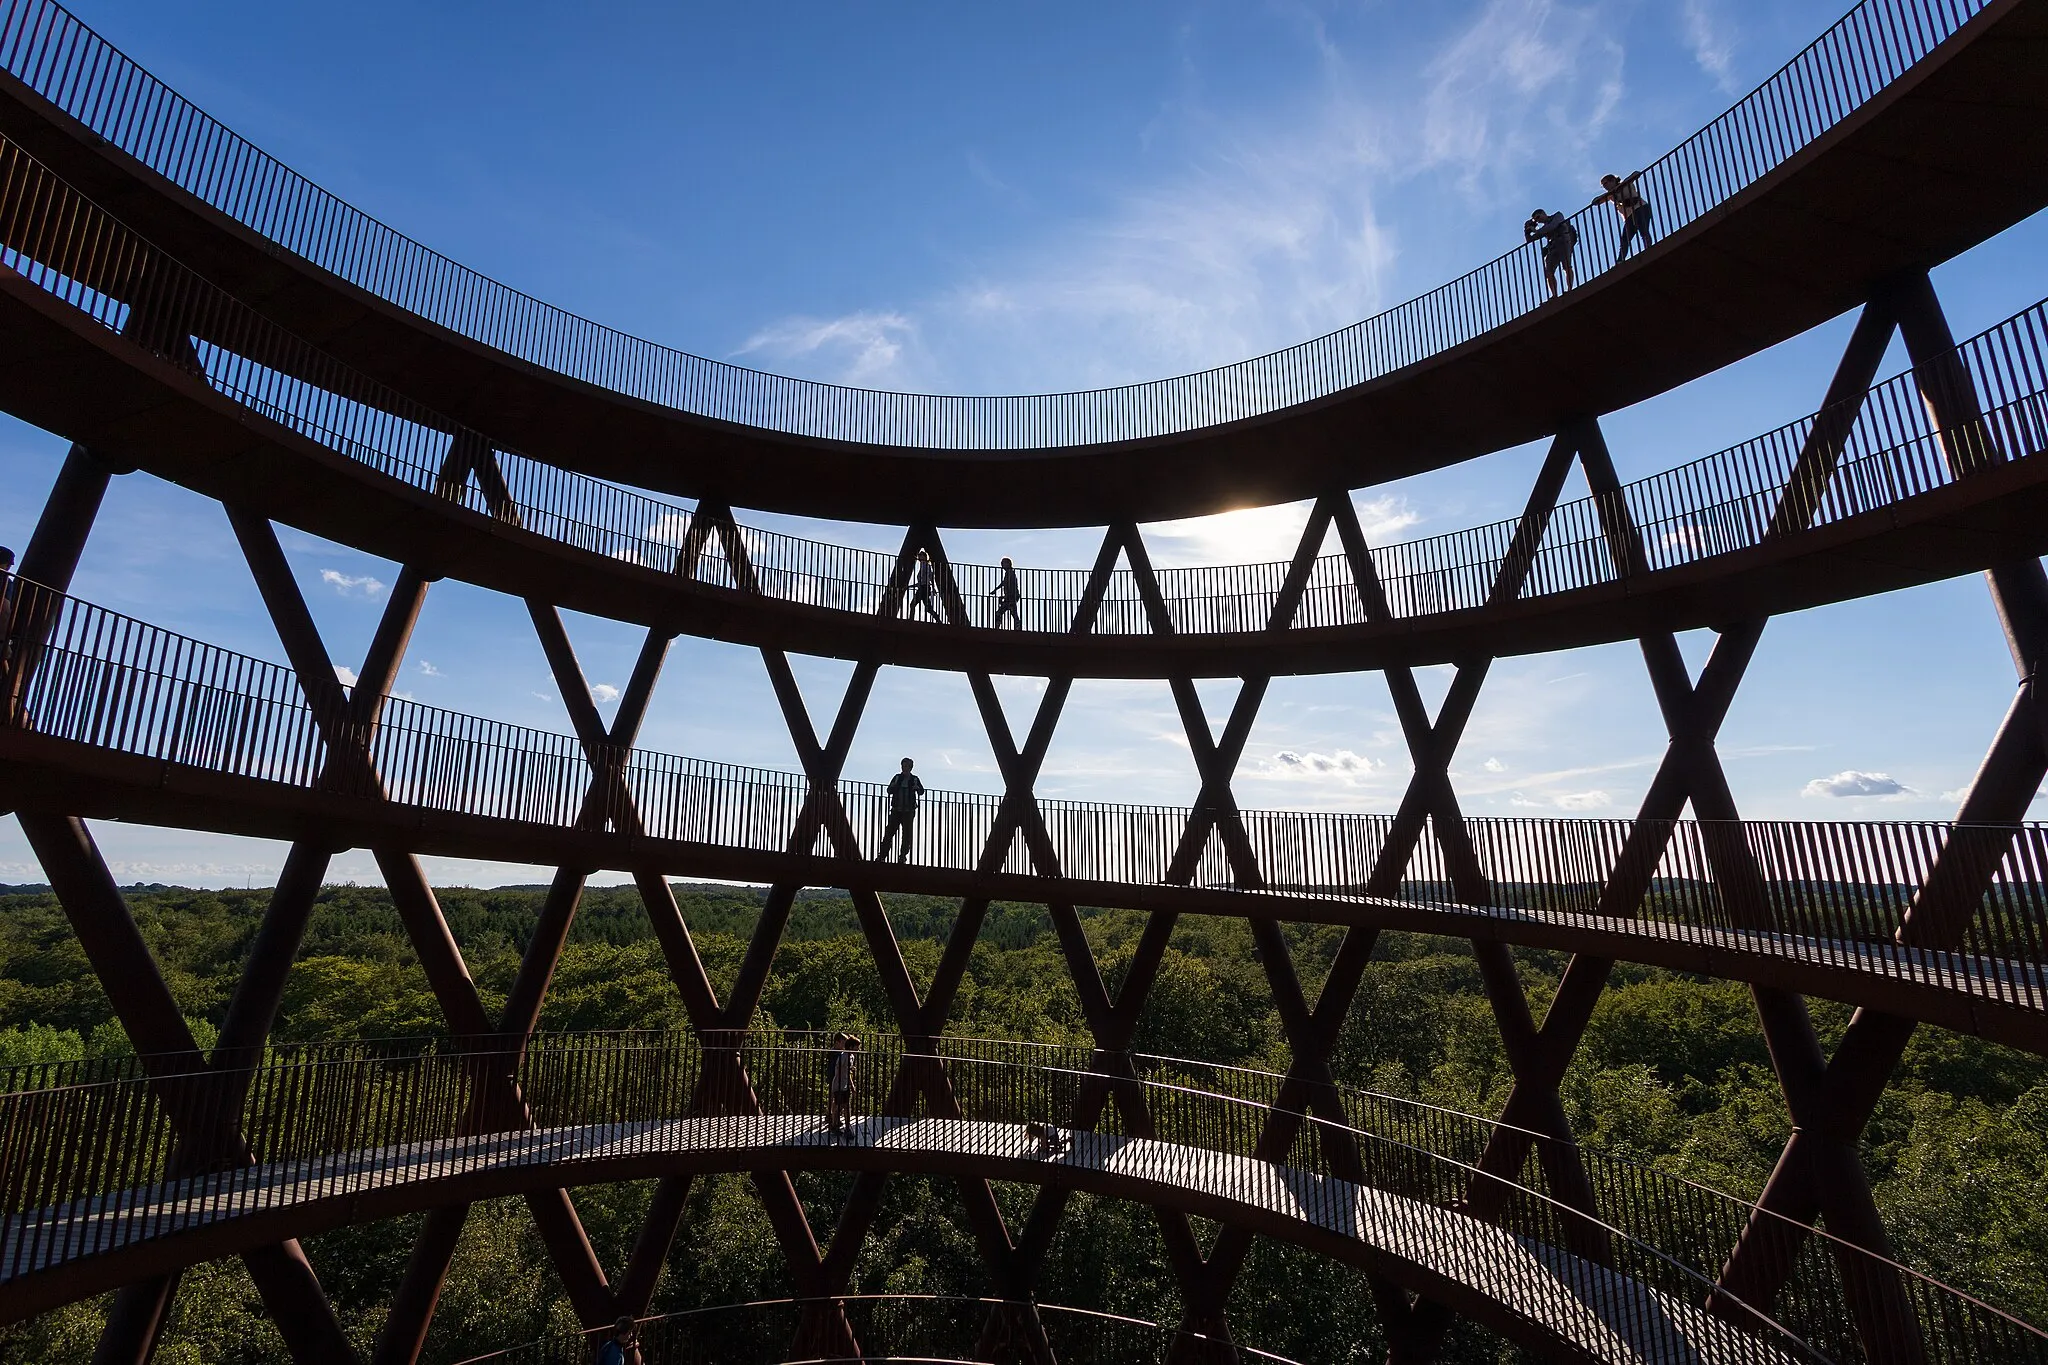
(49, 50)
(1736, 499)
(893, 1327)
(1826, 893)
(88, 1168)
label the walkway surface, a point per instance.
(1604, 1314)
(1870, 154)
(1977, 992)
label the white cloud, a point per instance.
(346, 674)
(1853, 783)
(1530, 82)
(351, 585)
(862, 349)
(1711, 40)
(604, 694)
(1343, 764)
(1494, 765)
(430, 670)
(1586, 800)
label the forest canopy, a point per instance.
(1673, 1072)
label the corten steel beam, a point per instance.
(349, 726)
(918, 1021)
(142, 1001)
(147, 411)
(1015, 1264)
(1876, 1298)
(1706, 704)
(1693, 715)
(1822, 1153)
(1310, 1086)
(1941, 159)
(141, 998)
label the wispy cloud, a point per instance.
(352, 585)
(1342, 765)
(1527, 84)
(430, 670)
(1711, 39)
(1853, 783)
(862, 349)
(604, 694)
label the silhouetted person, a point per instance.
(1559, 238)
(842, 1081)
(1008, 595)
(1051, 1141)
(1628, 201)
(924, 590)
(905, 791)
(622, 1347)
(9, 589)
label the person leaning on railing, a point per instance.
(1628, 201)
(1559, 238)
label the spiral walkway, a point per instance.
(1882, 489)
(125, 721)
(1554, 1276)
(1910, 131)
(173, 300)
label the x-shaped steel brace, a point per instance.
(138, 992)
(348, 725)
(1836, 1099)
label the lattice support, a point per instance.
(1819, 1171)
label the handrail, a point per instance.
(1827, 893)
(1882, 449)
(98, 1166)
(734, 1333)
(47, 48)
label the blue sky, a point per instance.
(986, 198)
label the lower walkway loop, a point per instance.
(346, 1133)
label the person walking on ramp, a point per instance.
(905, 792)
(843, 1081)
(1559, 238)
(924, 592)
(1628, 201)
(1008, 595)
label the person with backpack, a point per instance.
(905, 792)
(1008, 595)
(842, 1082)
(1559, 239)
(1628, 201)
(622, 1347)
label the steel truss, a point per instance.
(1818, 1178)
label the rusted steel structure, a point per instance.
(177, 302)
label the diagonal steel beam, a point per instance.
(822, 763)
(142, 1001)
(282, 1273)
(1820, 1160)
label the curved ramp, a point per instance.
(1786, 223)
(1862, 497)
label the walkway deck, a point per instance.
(1948, 154)
(1998, 998)
(1593, 1311)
